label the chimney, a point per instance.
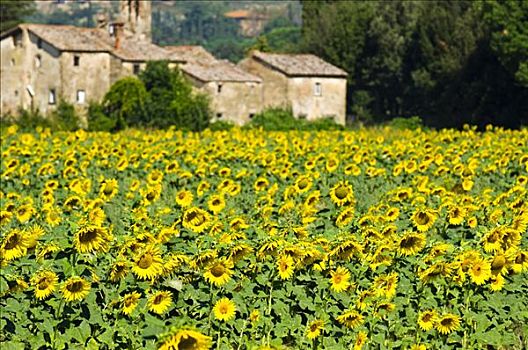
(118, 33)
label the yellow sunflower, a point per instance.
(411, 243)
(14, 245)
(44, 283)
(160, 302)
(148, 264)
(423, 219)
(303, 184)
(129, 302)
(219, 272)
(427, 319)
(285, 264)
(340, 279)
(186, 339)
(361, 340)
(216, 203)
(345, 217)
(108, 189)
(447, 323)
(342, 193)
(75, 288)
(350, 319)
(224, 309)
(314, 329)
(184, 198)
(118, 270)
(456, 215)
(196, 219)
(89, 239)
(480, 271)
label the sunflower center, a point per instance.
(427, 317)
(313, 327)
(145, 261)
(158, 299)
(409, 242)
(13, 241)
(107, 190)
(129, 301)
(303, 184)
(422, 218)
(88, 235)
(446, 322)
(338, 279)
(188, 344)
(75, 287)
(341, 192)
(218, 270)
(43, 283)
(151, 195)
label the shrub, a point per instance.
(125, 103)
(98, 120)
(64, 117)
(29, 119)
(221, 126)
(411, 123)
(281, 119)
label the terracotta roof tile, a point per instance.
(299, 64)
(190, 53)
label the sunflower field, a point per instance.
(246, 239)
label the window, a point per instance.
(38, 61)
(136, 68)
(13, 62)
(219, 115)
(81, 96)
(39, 43)
(219, 88)
(251, 115)
(16, 93)
(76, 60)
(317, 89)
(51, 98)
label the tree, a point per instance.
(508, 23)
(13, 12)
(125, 103)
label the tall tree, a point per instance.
(13, 12)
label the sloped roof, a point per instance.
(218, 70)
(190, 53)
(70, 38)
(299, 64)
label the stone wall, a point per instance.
(330, 101)
(274, 84)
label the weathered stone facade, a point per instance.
(311, 87)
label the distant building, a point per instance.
(250, 22)
(42, 63)
(236, 95)
(312, 87)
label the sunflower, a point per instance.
(350, 319)
(108, 188)
(129, 302)
(423, 219)
(520, 262)
(45, 283)
(91, 239)
(427, 319)
(219, 272)
(285, 264)
(497, 283)
(75, 288)
(345, 217)
(448, 323)
(254, 316)
(303, 184)
(360, 340)
(216, 203)
(196, 219)
(14, 245)
(314, 329)
(160, 302)
(342, 193)
(224, 309)
(186, 339)
(148, 264)
(184, 198)
(392, 214)
(456, 215)
(118, 270)
(340, 279)
(411, 243)
(33, 235)
(418, 347)
(24, 213)
(499, 265)
(480, 271)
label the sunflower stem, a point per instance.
(241, 335)
(59, 311)
(210, 307)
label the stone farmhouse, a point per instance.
(42, 63)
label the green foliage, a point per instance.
(98, 120)
(13, 12)
(411, 123)
(27, 119)
(221, 126)
(281, 119)
(65, 117)
(125, 102)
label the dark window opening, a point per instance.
(16, 92)
(302, 116)
(219, 115)
(136, 69)
(219, 88)
(318, 91)
(251, 115)
(76, 60)
(39, 43)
